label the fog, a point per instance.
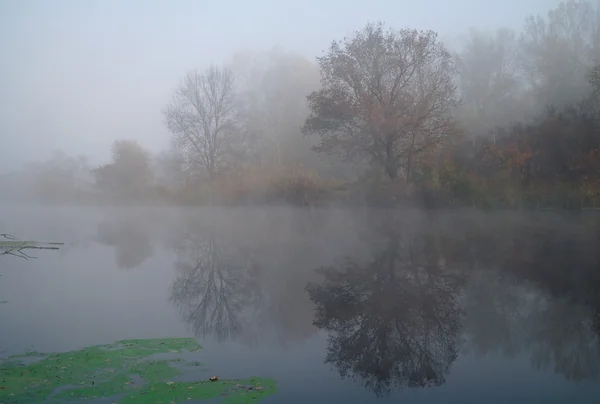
(76, 76)
(84, 84)
(385, 200)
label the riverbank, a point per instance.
(302, 188)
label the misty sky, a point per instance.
(76, 75)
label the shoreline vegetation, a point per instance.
(385, 117)
(304, 190)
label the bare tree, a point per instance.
(386, 96)
(491, 82)
(559, 49)
(272, 94)
(201, 118)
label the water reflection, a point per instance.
(539, 299)
(215, 284)
(427, 294)
(131, 239)
(244, 277)
(402, 301)
(394, 320)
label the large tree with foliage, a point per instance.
(386, 96)
(129, 175)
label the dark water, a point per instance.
(338, 306)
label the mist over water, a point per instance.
(375, 202)
(336, 304)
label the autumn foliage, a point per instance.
(552, 163)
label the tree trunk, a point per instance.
(391, 171)
(408, 167)
(409, 160)
(391, 168)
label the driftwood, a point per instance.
(10, 245)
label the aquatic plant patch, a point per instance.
(127, 372)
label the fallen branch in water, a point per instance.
(15, 247)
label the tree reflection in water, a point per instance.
(214, 285)
(395, 320)
(130, 238)
(429, 292)
(407, 299)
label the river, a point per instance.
(352, 306)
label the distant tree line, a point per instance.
(508, 119)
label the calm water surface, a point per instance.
(338, 306)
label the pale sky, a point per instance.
(77, 74)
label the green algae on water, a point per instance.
(127, 372)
